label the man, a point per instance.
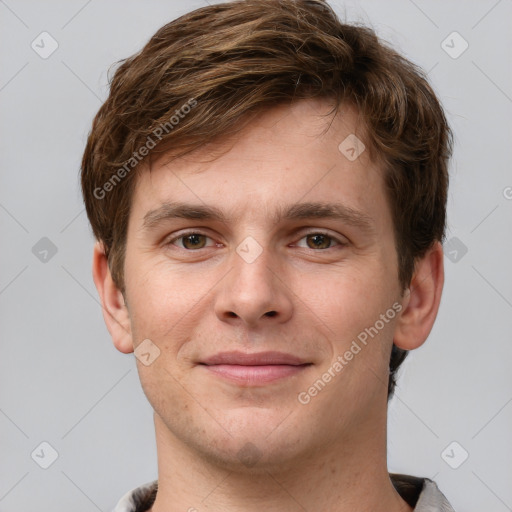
(267, 187)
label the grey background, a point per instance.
(62, 381)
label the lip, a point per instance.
(255, 359)
(254, 369)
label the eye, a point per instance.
(320, 240)
(190, 240)
(194, 240)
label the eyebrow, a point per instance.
(300, 211)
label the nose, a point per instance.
(254, 291)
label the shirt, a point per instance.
(420, 493)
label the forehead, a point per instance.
(286, 155)
(313, 122)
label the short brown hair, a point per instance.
(231, 60)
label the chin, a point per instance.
(257, 440)
(255, 456)
(255, 423)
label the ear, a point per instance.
(115, 311)
(421, 301)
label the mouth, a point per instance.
(254, 369)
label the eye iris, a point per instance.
(194, 241)
(317, 237)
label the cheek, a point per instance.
(156, 301)
(171, 308)
(346, 294)
(350, 304)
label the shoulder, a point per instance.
(139, 499)
(420, 493)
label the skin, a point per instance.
(193, 300)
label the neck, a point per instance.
(349, 476)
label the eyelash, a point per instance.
(323, 233)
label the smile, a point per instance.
(255, 374)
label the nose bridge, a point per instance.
(252, 267)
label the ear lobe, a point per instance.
(115, 312)
(421, 304)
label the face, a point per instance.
(266, 281)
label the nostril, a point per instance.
(271, 313)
